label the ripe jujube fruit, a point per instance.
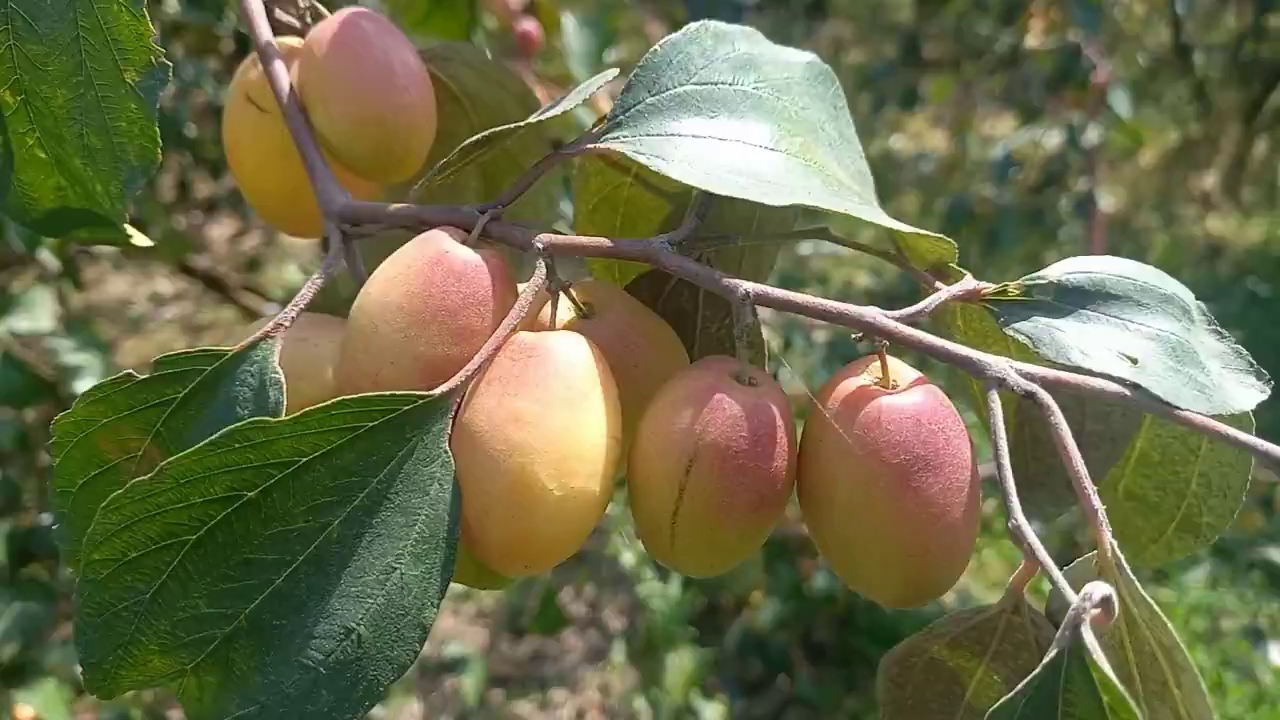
(536, 445)
(712, 466)
(422, 314)
(529, 35)
(642, 350)
(887, 483)
(308, 354)
(263, 158)
(368, 94)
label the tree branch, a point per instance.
(1019, 525)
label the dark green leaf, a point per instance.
(616, 197)
(503, 137)
(702, 319)
(1147, 656)
(962, 664)
(1074, 682)
(1128, 320)
(127, 425)
(434, 19)
(1103, 429)
(82, 83)
(284, 568)
(721, 108)
(1176, 490)
(21, 386)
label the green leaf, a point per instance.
(702, 319)
(125, 426)
(962, 664)
(1104, 430)
(504, 137)
(82, 82)
(721, 108)
(1128, 320)
(426, 20)
(1074, 682)
(616, 197)
(1147, 656)
(1176, 490)
(284, 568)
(21, 386)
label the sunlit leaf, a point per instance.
(82, 82)
(284, 568)
(1131, 321)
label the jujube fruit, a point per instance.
(712, 466)
(422, 314)
(308, 354)
(529, 35)
(368, 94)
(642, 350)
(263, 158)
(536, 445)
(887, 483)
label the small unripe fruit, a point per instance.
(712, 467)
(529, 35)
(263, 158)
(536, 445)
(887, 484)
(469, 571)
(308, 354)
(423, 314)
(642, 350)
(368, 94)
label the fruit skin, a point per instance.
(469, 571)
(887, 484)
(712, 467)
(536, 445)
(529, 35)
(642, 350)
(308, 353)
(422, 314)
(262, 156)
(368, 94)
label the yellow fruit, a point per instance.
(308, 353)
(368, 94)
(469, 571)
(423, 314)
(262, 156)
(887, 484)
(642, 350)
(536, 446)
(712, 467)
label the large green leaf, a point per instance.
(1143, 649)
(82, 81)
(125, 426)
(1128, 320)
(962, 664)
(427, 20)
(284, 568)
(721, 108)
(703, 320)
(1176, 490)
(1074, 682)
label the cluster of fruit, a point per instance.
(372, 108)
(884, 472)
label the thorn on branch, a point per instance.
(355, 263)
(968, 288)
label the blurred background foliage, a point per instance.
(1028, 130)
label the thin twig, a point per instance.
(1018, 523)
(535, 173)
(968, 288)
(286, 317)
(248, 301)
(1022, 577)
(744, 319)
(693, 217)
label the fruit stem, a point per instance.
(583, 311)
(882, 349)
